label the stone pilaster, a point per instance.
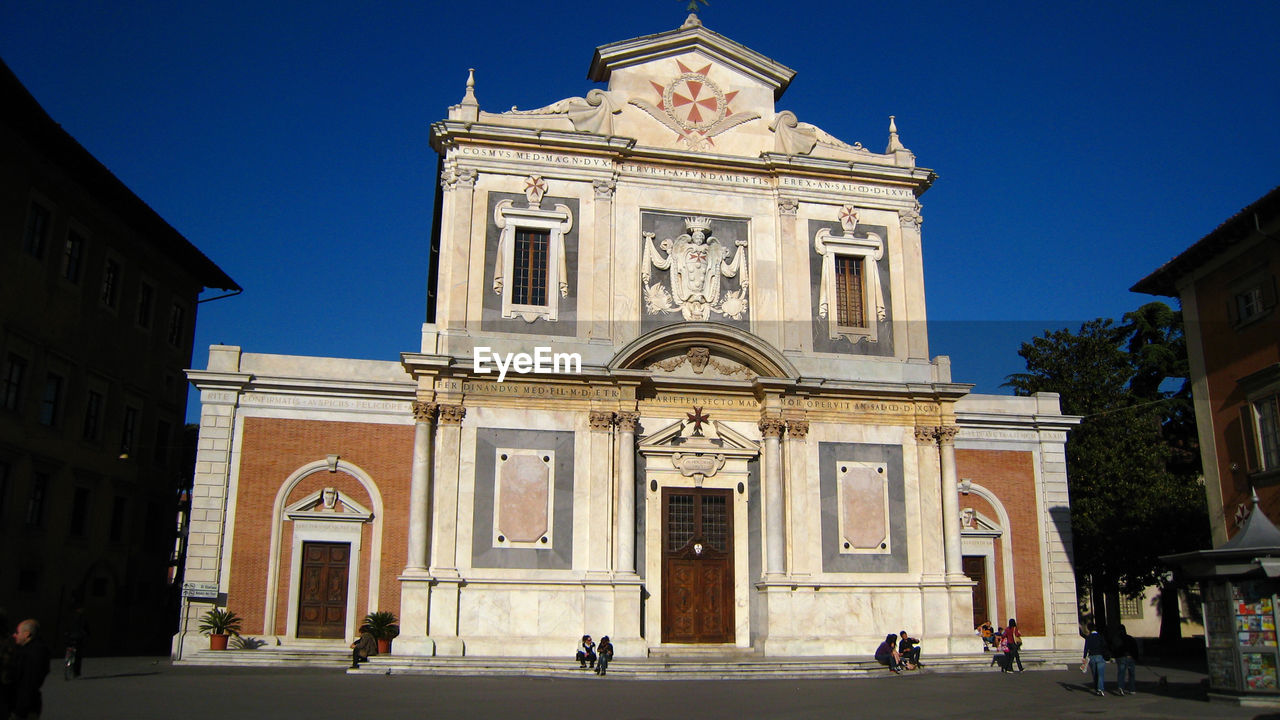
(909, 221)
(600, 501)
(458, 185)
(602, 263)
(775, 518)
(444, 525)
(799, 492)
(793, 241)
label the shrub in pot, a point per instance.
(383, 626)
(219, 625)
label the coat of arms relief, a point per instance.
(696, 262)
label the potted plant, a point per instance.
(382, 625)
(219, 625)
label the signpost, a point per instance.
(198, 592)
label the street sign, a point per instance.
(200, 590)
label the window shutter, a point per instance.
(1268, 287)
(1249, 438)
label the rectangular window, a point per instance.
(177, 325)
(161, 453)
(117, 519)
(128, 429)
(37, 232)
(529, 271)
(146, 298)
(79, 512)
(92, 416)
(4, 488)
(849, 305)
(35, 502)
(1248, 304)
(1267, 417)
(110, 283)
(72, 257)
(51, 401)
(1130, 608)
(14, 371)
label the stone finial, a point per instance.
(469, 98)
(894, 143)
(692, 21)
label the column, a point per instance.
(950, 501)
(798, 495)
(424, 414)
(775, 528)
(627, 491)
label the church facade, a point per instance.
(674, 387)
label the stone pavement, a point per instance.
(148, 688)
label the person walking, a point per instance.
(1095, 655)
(28, 668)
(1014, 637)
(1126, 652)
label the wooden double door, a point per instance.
(697, 566)
(322, 596)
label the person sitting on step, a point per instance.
(909, 650)
(887, 654)
(364, 646)
(586, 653)
(604, 653)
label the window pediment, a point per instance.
(328, 504)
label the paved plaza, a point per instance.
(145, 688)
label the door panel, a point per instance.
(697, 566)
(322, 596)
(975, 568)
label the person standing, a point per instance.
(1126, 652)
(1014, 637)
(30, 665)
(1095, 655)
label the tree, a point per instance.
(1133, 464)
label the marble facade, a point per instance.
(746, 295)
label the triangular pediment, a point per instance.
(327, 504)
(716, 437)
(691, 37)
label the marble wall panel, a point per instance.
(894, 559)
(557, 555)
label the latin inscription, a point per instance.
(260, 399)
(525, 156)
(515, 389)
(670, 173)
(855, 188)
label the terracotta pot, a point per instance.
(218, 642)
(384, 646)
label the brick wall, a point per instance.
(273, 449)
(1010, 474)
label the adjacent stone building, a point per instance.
(98, 300)
(673, 387)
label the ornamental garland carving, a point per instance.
(697, 261)
(698, 359)
(788, 206)
(910, 217)
(604, 187)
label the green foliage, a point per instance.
(1133, 462)
(382, 624)
(220, 622)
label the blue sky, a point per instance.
(1078, 145)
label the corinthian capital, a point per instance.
(926, 434)
(600, 420)
(452, 414)
(947, 434)
(627, 421)
(771, 427)
(604, 188)
(797, 429)
(788, 206)
(910, 217)
(424, 411)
